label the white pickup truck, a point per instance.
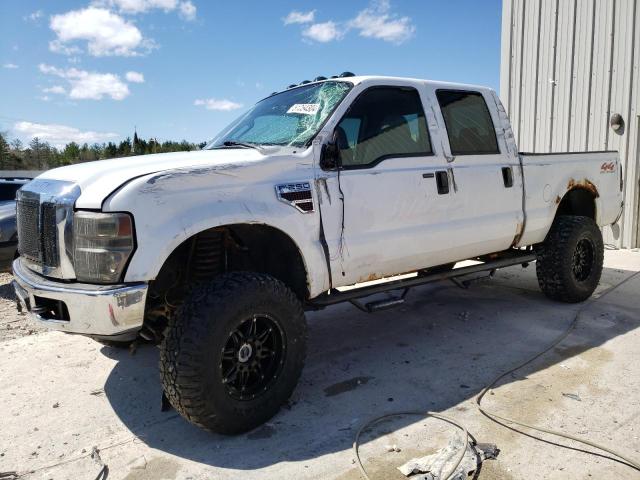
(216, 254)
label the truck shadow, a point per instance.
(436, 351)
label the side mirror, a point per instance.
(330, 155)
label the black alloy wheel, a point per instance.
(252, 357)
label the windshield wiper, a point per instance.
(231, 143)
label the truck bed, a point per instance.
(548, 177)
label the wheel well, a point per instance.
(578, 201)
(239, 247)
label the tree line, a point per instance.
(40, 155)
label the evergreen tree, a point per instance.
(110, 151)
(4, 153)
(71, 153)
(136, 144)
(124, 149)
(39, 155)
(36, 153)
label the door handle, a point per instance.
(442, 182)
(507, 177)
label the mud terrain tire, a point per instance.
(569, 263)
(240, 322)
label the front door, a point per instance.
(380, 211)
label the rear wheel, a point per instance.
(234, 351)
(570, 260)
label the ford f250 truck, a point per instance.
(216, 254)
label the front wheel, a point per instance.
(569, 263)
(233, 352)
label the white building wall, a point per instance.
(567, 66)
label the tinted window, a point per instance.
(468, 123)
(382, 123)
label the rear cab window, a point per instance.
(468, 122)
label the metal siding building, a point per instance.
(566, 67)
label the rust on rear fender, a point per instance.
(584, 183)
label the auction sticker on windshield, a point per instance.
(304, 108)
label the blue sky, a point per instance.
(91, 70)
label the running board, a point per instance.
(334, 296)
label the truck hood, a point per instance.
(97, 180)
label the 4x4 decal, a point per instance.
(608, 167)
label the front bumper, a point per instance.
(95, 310)
(7, 254)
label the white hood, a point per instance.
(97, 180)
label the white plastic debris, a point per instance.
(572, 396)
(432, 467)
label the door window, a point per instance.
(468, 121)
(383, 122)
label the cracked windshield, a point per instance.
(291, 118)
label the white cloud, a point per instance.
(57, 89)
(323, 32)
(106, 33)
(85, 85)
(11, 66)
(376, 21)
(134, 77)
(299, 17)
(59, 135)
(188, 10)
(223, 105)
(141, 6)
(34, 16)
(56, 46)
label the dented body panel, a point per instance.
(363, 224)
(190, 200)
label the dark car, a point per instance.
(8, 234)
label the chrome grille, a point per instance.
(49, 237)
(37, 240)
(28, 221)
(45, 222)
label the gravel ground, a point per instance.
(13, 324)
(64, 396)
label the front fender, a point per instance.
(169, 209)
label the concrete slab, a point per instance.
(62, 395)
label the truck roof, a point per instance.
(357, 79)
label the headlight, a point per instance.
(102, 244)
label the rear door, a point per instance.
(486, 177)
